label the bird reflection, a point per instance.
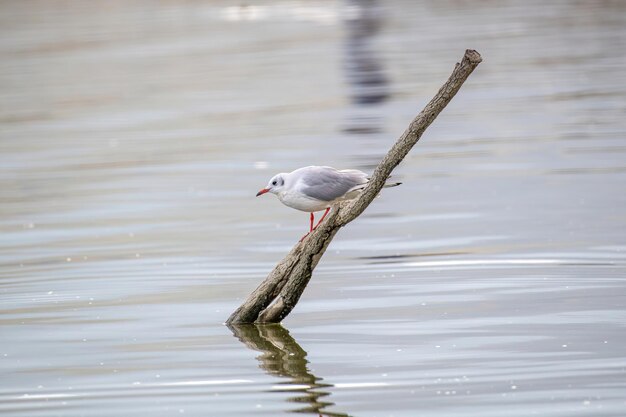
(363, 19)
(366, 78)
(281, 356)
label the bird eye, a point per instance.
(273, 182)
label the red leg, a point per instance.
(310, 227)
(324, 215)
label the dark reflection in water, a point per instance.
(394, 259)
(282, 356)
(364, 69)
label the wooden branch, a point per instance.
(278, 294)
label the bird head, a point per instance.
(275, 185)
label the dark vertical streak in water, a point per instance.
(365, 74)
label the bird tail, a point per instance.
(387, 185)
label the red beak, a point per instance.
(263, 191)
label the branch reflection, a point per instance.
(281, 356)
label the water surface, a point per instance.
(135, 135)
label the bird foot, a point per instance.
(312, 230)
(318, 223)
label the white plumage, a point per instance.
(315, 188)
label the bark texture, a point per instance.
(278, 294)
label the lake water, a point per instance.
(134, 136)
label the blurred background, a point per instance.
(134, 136)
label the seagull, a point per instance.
(317, 188)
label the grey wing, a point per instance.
(328, 184)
